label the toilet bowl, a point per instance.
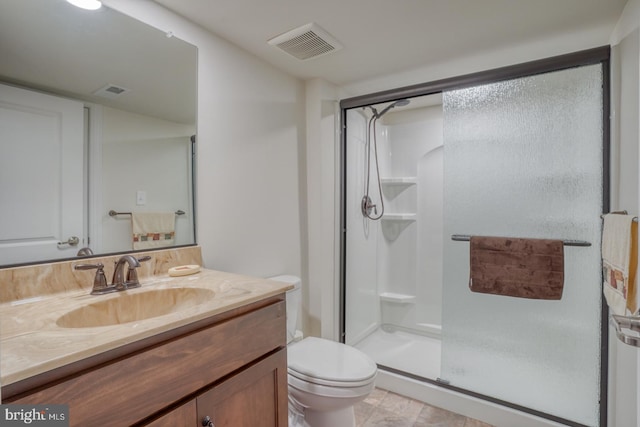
(326, 378)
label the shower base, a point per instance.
(418, 353)
(403, 350)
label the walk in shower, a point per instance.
(521, 156)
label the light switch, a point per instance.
(141, 198)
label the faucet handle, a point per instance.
(88, 266)
(100, 280)
(132, 274)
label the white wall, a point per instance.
(250, 131)
(319, 189)
(543, 47)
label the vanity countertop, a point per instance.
(32, 343)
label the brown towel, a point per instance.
(525, 268)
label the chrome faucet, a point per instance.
(120, 281)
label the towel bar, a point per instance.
(635, 218)
(628, 322)
(580, 243)
(114, 213)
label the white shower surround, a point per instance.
(395, 265)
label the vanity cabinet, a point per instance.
(230, 367)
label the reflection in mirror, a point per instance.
(97, 113)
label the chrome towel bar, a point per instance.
(635, 218)
(114, 213)
(627, 322)
(466, 238)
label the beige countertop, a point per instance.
(31, 342)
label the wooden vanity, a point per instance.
(226, 364)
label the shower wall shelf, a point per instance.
(397, 298)
(401, 181)
(399, 217)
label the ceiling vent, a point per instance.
(111, 91)
(306, 42)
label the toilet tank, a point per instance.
(294, 297)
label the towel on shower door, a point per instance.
(619, 262)
(153, 229)
(524, 268)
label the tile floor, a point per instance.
(386, 409)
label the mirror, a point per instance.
(133, 99)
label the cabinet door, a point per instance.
(255, 397)
(184, 415)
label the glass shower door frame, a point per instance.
(599, 55)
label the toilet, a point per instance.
(326, 378)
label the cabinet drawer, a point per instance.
(129, 389)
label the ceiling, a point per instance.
(383, 37)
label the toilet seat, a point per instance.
(329, 363)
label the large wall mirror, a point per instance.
(97, 114)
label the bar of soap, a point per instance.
(184, 270)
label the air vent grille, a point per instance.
(308, 41)
(111, 91)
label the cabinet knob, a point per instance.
(206, 422)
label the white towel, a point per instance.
(153, 229)
(617, 240)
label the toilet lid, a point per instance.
(322, 361)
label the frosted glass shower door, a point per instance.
(523, 158)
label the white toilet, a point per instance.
(326, 378)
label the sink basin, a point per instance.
(131, 307)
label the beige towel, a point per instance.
(516, 267)
(153, 229)
(619, 262)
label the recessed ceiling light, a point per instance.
(87, 4)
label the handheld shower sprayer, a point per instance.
(367, 206)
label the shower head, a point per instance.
(398, 103)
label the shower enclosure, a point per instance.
(521, 156)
